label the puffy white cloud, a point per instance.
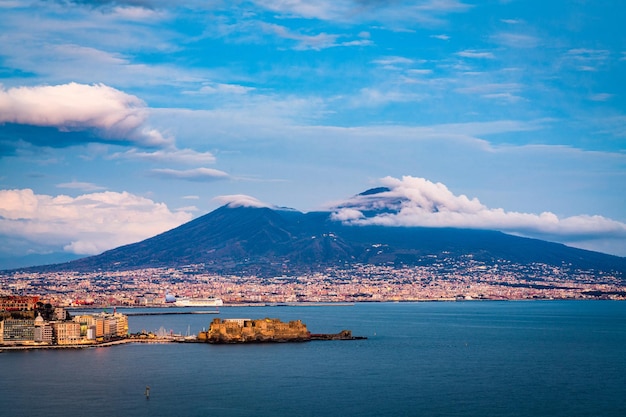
(347, 214)
(112, 114)
(412, 201)
(88, 224)
(240, 200)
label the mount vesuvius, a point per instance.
(267, 241)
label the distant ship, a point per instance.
(199, 302)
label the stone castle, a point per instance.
(248, 330)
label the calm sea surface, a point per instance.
(535, 358)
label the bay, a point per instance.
(527, 358)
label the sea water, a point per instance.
(531, 358)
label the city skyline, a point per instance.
(123, 119)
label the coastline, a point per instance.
(259, 304)
(314, 304)
(94, 345)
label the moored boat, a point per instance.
(199, 302)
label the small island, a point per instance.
(265, 330)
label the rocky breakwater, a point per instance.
(264, 330)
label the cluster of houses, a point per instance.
(25, 321)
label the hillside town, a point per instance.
(439, 280)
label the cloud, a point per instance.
(512, 21)
(347, 215)
(420, 71)
(489, 88)
(220, 88)
(8, 4)
(314, 42)
(359, 42)
(413, 201)
(170, 155)
(196, 174)
(323, 9)
(87, 224)
(601, 97)
(370, 97)
(82, 186)
(587, 60)
(355, 11)
(613, 125)
(145, 4)
(516, 40)
(476, 54)
(498, 91)
(111, 115)
(134, 13)
(393, 61)
(240, 200)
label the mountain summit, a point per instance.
(265, 241)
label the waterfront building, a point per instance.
(86, 321)
(43, 331)
(44, 334)
(91, 333)
(18, 331)
(99, 325)
(122, 324)
(110, 327)
(66, 332)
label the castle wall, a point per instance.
(263, 330)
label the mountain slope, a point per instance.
(264, 241)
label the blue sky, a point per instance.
(122, 119)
